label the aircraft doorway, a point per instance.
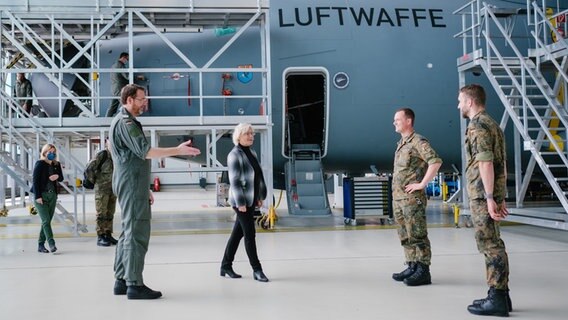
(306, 101)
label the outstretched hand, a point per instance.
(185, 148)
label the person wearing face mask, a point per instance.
(47, 172)
(131, 152)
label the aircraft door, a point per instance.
(306, 108)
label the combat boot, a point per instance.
(119, 287)
(509, 303)
(405, 273)
(142, 293)
(421, 276)
(494, 305)
(110, 239)
(41, 248)
(102, 241)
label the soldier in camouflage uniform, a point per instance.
(486, 186)
(130, 182)
(415, 164)
(105, 199)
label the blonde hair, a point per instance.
(240, 129)
(45, 149)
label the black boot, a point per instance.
(102, 241)
(509, 303)
(405, 273)
(52, 246)
(119, 287)
(110, 239)
(41, 248)
(494, 305)
(421, 276)
(142, 293)
(259, 276)
(230, 272)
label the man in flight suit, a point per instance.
(486, 175)
(131, 180)
(117, 81)
(415, 164)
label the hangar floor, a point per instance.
(319, 269)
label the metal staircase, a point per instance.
(305, 183)
(529, 87)
(23, 176)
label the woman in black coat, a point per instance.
(47, 172)
(247, 190)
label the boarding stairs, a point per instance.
(23, 176)
(305, 184)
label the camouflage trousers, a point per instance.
(105, 204)
(410, 215)
(489, 243)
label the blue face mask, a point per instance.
(51, 156)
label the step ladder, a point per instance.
(305, 184)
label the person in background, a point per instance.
(415, 164)
(105, 199)
(117, 81)
(486, 176)
(247, 190)
(24, 91)
(47, 172)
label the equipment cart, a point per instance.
(367, 197)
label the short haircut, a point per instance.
(239, 130)
(130, 90)
(408, 113)
(123, 54)
(46, 147)
(475, 92)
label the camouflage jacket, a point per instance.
(411, 159)
(104, 175)
(485, 141)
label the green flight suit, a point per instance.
(130, 183)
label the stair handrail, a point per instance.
(10, 102)
(545, 21)
(561, 113)
(527, 102)
(474, 12)
(541, 44)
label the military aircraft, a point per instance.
(340, 69)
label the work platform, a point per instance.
(63, 46)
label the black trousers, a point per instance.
(244, 226)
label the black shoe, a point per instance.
(102, 241)
(259, 276)
(110, 239)
(142, 293)
(120, 287)
(52, 247)
(41, 248)
(230, 272)
(494, 305)
(421, 276)
(405, 273)
(509, 303)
